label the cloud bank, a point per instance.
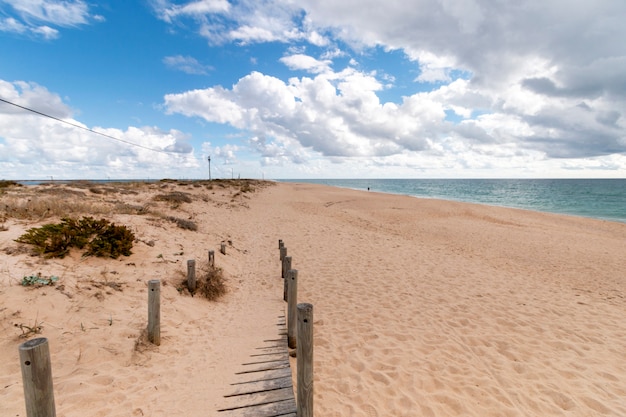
(537, 81)
(39, 147)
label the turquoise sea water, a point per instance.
(597, 198)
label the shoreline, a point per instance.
(581, 211)
(577, 212)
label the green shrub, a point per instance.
(112, 241)
(38, 280)
(100, 238)
(7, 184)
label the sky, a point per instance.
(288, 89)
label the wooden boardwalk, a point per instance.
(265, 387)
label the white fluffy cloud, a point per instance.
(37, 16)
(306, 63)
(243, 21)
(187, 64)
(169, 11)
(54, 148)
(340, 115)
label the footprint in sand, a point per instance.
(371, 411)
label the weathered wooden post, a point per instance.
(286, 268)
(191, 275)
(292, 307)
(283, 253)
(304, 353)
(37, 378)
(280, 243)
(223, 248)
(211, 258)
(154, 311)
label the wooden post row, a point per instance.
(191, 275)
(280, 243)
(283, 253)
(154, 311)
(292, 307)
(37, 378)
(304, 355)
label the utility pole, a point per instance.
(209, 167)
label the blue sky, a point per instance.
(313, 88)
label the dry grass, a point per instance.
(175, 198)
(29, 331)
(57, 201)
(54, 201)
(40, 207)
(210, 283)
(182, 223)
(125, 208)
(63, 192)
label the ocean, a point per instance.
(603, 199)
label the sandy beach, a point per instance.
(421, 307)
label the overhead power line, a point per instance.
(83, 128)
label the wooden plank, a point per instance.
(263, 385)
(262, 397)
(271, 348)
(273, 374)
(248, 413)
(263, 367)
(277, 341)
(280, 354)
(260, 361)
(281, 408)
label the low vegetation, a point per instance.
(210, 283)
(7, 184)
(29, 331)
(176, 198)
(68, 201)
(98, 237)
(38, 280)
(182, 223)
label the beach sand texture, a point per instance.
(421, 307)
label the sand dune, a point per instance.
(422, 307)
